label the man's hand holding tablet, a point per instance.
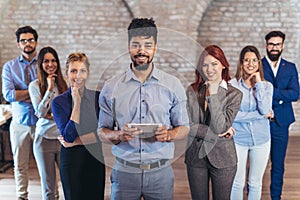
(147, 129)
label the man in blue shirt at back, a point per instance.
(143, 94)
(16, 76)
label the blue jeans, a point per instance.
(259, 156)
(155, 184)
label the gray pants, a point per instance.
(221, 179)
(156, 184)
(21, 137)
(47, 152)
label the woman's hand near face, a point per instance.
(51, 81)
(75, 115)
(254, 78)
(76, 95)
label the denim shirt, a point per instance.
(251, 127)
(16, 75)
(160, 99)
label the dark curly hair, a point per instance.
(142, 27)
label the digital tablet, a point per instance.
(147, 128)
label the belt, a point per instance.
(148, 166)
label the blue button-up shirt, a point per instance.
(160, 99)
(251, 127)
(16, 75)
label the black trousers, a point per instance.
(82, 175)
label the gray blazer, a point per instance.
(203, 140)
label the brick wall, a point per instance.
(234, 24)
(98, 28)
(68, 26)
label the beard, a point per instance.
(274, 57)
(29, 50)
(142, 67)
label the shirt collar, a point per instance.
(155, 74)
(22, 59)
(223, 84)
(242, 82)
(271, 62)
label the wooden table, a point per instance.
(5, 118)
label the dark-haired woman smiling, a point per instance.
(49, 84)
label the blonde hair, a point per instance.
(77, 56)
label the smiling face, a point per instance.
(142, 50)
(77, 74)
(212, 69)
(250, 63)
(49, 64)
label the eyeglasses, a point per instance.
(272, 45)
(248, 61)
(24, 41)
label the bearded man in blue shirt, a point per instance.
(16, 76)
(143, 94)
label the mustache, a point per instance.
(27, 47)
(275, 51)
(141, 54)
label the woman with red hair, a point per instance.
(212, 106)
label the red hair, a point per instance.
(217, 53)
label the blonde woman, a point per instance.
(76, 114)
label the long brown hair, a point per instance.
(239, 70)
(217, 53)
(42, 75)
